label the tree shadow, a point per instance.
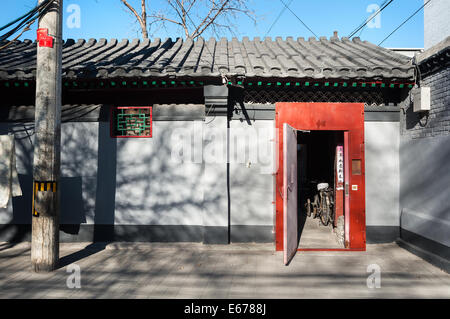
(89, 250)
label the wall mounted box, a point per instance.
(421, 98)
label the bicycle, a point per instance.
(323, 204)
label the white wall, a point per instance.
(152, 187)
(382, 141)
(251, 168)
(214, 179)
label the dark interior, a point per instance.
(316, 152)
(316, 156)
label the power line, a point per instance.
(18, 19)
(370, 18)
(361, 26)
(404, 22)
(25, 21)
(279, 16)
(364, 23)
(299, 19)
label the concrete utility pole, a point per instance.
(46, 166)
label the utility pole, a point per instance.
(47, 145)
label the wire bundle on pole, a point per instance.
(24, 22)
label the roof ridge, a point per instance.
(312, 58)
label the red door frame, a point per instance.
(347, 117)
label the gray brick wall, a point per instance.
(437, 121)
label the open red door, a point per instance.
(290, 192)
(345, 117)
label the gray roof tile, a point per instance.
(321, 58)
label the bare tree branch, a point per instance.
(163, 18)
(142, 19)
(213, 15)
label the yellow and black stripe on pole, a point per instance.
(42, 187)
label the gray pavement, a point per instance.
(191, 270)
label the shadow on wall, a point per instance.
(425, 176)
(151, 189)
(108, 182)
(18, 229)
(106, 185)
(413, 118)
(72, 196)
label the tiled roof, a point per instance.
(324, 58)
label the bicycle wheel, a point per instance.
(325, 211)
(315, 206)
(308, 207)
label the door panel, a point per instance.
(290, 192)
(347, 190)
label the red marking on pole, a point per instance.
(44, 39)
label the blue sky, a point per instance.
(110, 19)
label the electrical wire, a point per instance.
(366, 21)
(18, 19)
(362, 25)
(300, 19)
(25, 21)
(412, 15)
(278, 17)
(370, 18)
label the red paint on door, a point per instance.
(347, 191)
(347, 117)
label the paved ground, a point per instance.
(314, 235)
(232, 271)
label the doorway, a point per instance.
(321, 218)
(332, 124)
